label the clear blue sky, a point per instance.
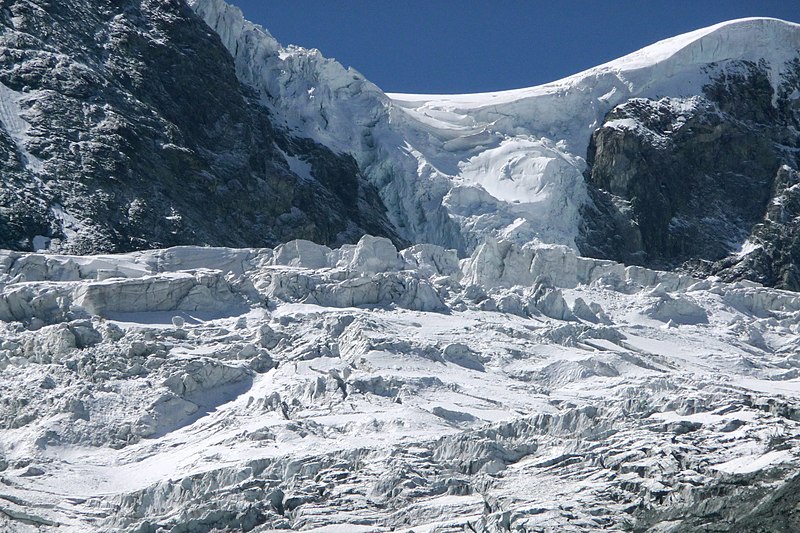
(449, 46)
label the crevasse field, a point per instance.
(362, 389)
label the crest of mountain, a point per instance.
(681, 155)
(132, 126)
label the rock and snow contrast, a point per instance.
(125, 127)
(643, 160)
(570, 317)
(365, 389)
(658, 147)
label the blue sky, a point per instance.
(448, 46)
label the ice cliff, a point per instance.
(454, 169)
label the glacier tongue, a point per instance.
(487, 378)
(368, 389)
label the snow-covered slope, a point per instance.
(317, 97)
(507, 164)
(678, 59)
(362, 389)
(499, 383)
(525, 148)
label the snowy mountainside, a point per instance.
(297, 84)
(318, 98)
(454, 169)
(365, 389)
(487, 377)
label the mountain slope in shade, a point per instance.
(124, 127)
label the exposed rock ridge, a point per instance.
(124, 127)
(706, 180)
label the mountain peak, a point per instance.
(751, 39)
(456, 169)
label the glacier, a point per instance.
(454, 169)
(484, 377)
(363, 388)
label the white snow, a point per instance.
(11, 117)
(747, 248)
(299, 167)
(753, 463)
(340, 375)
(525, 148)
(40, 243)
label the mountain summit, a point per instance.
(531, 164)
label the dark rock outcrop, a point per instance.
(135, 133)
(703, 183)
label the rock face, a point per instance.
(706, 180)
(772, 251)
(124, 127)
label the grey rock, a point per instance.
(686, 182)
(145, 138)
(33, 471)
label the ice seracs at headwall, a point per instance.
(136, 126)
(532, 165)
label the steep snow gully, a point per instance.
(487, 377)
